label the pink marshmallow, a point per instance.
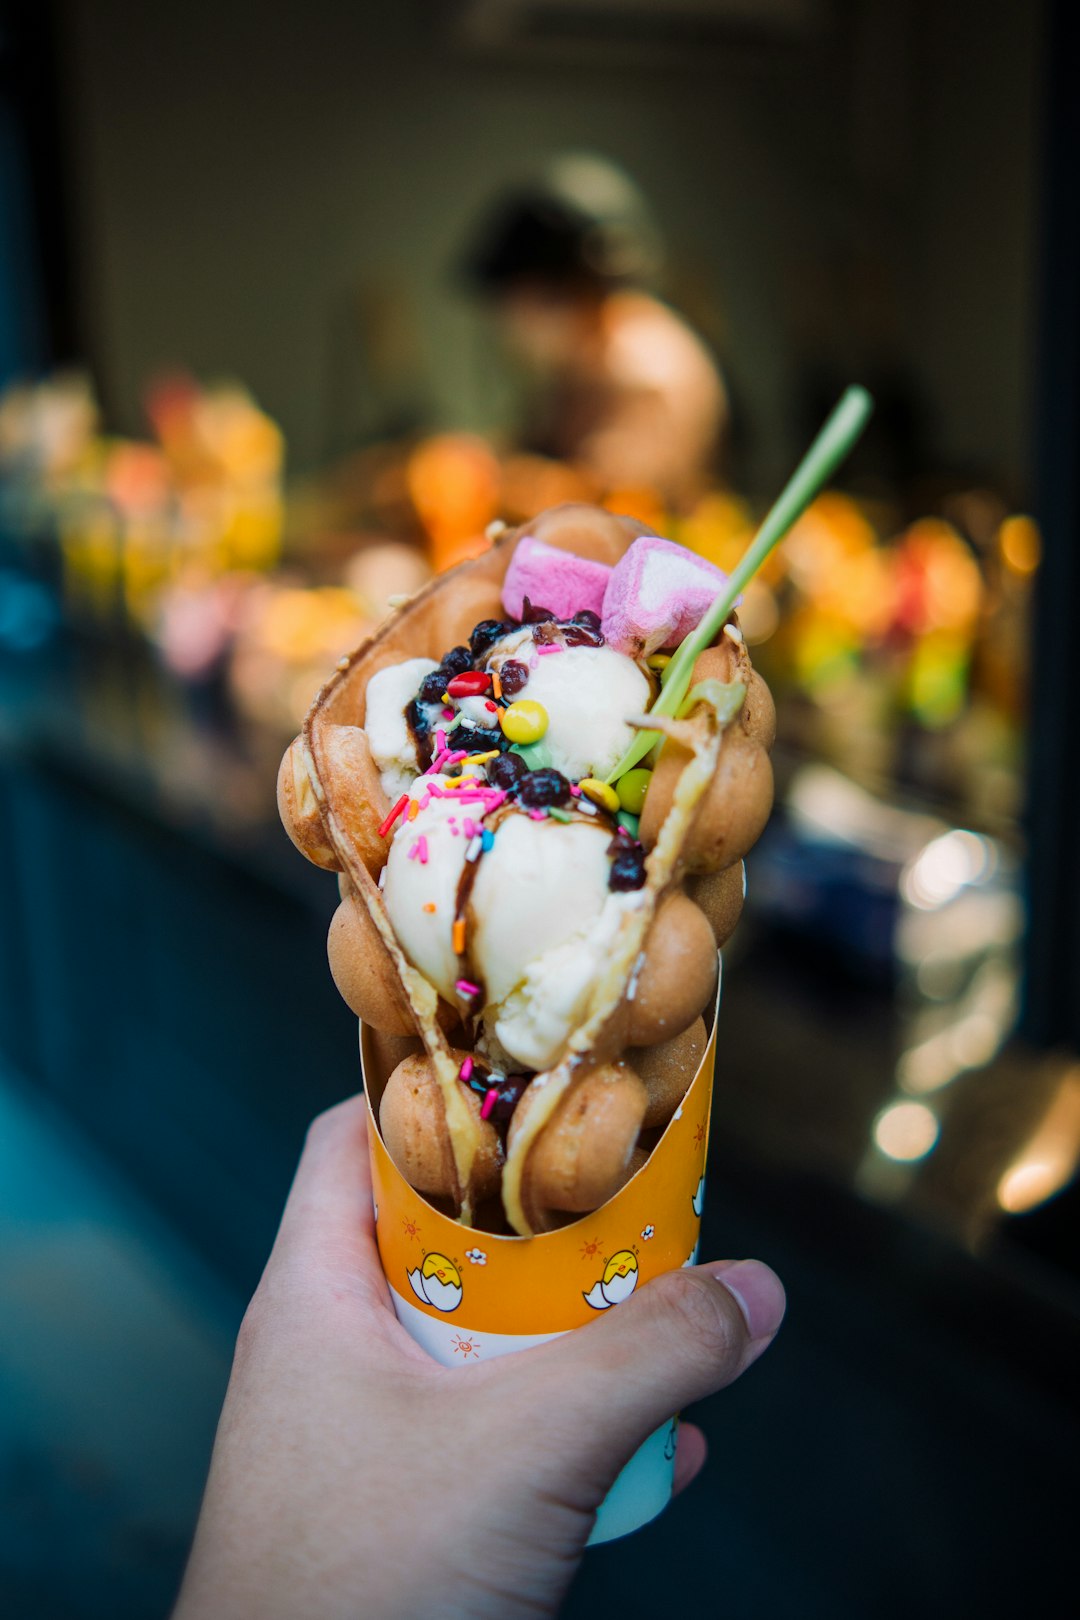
(658, 592)
(553, 578)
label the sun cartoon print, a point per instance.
(466, 1347)
(617, 1283)
(437, 1282)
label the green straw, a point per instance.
(828, 450)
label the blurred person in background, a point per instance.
(618, 383)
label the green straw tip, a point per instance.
(859, 400)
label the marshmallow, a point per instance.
(553, 578)
(658, 592)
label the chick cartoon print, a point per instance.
(619, 1279)
(437, 1282)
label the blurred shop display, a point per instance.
(112, 524)
(897, 649)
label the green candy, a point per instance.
(536, 755)
(632, 789)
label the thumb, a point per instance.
(601, 1390)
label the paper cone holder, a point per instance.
(467, 1295)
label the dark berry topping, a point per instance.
(477, 739)
(531, 614)
(432, 687)
(506, 771)
(487, 633)
(542, 789)
(510, 1094)
(456, 661)
(588, 618)
(582, 635)
(628, 866)
(512, 677)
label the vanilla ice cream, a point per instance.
(540, 915)
(393, 746)
(588, 692)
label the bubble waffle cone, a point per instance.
(706, 804)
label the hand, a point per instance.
(353, 1475)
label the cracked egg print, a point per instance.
(437, 1282)
(617, 1283)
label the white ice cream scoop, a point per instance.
(588, 694)
(539, 912)
(392, 744)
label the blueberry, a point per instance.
(487, 633)
(432, 687)
(476, 739)
(542, 789)
(506, 771)
(627, 868)
(456, 662)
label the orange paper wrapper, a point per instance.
(467, 1295)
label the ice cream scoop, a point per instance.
(392, 743)
(587, 694)
(530, 912)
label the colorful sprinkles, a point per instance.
(396, 811)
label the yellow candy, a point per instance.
(600, 793)
(631, 789)
(524, 722)
(659, 660)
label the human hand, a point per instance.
(353, 1475)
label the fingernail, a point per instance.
(758, 1292)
